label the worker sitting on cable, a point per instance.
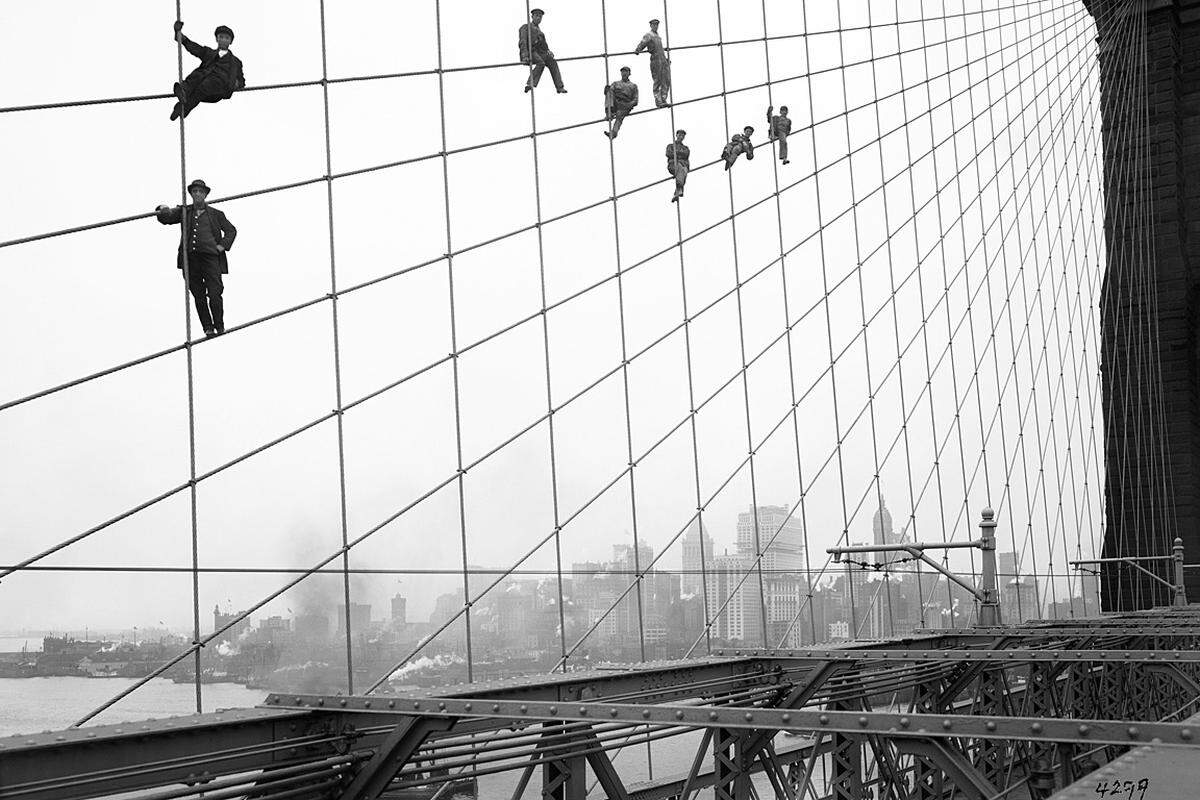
(536, 53)
(677, 162)
(738, 144)
(778, 128)
(660, 65)
(217, 78)
(620, 97)
(205, 238)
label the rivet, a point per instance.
(366, 703)
(823, 719)
(785, 718)
(678, 715)
(1185, 734)
(466, 706)
(524, 709)
(582, 711)
(441, 706)
(553, 709)
(320, 701)
(991, 726)
(645, 713)
(416, 705)
(342, 702)
(1133, 732)
(1084, 730)
(947, 724)
(612, 712)
(1036, 727)
(749, 717)
(391, 703)
(905, 722)
(714, 716)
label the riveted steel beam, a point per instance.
(893, 724)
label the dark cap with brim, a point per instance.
(199, 184)
(653, 22)
(536, 11)
(626, 69)
(223, 29)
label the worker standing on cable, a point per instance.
(207, 234)
(677, 162)
(660, 65)
(778, 128)
(739, 143)
(536, 53)
(217, 78)
(620, 98)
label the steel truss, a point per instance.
(972, 714)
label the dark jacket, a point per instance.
(220, 229)
(778, 126)
(227, 68)
(525, 38)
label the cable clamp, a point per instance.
(198, 643)
(461, 470)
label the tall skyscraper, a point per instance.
(780, 536)
(881, 526)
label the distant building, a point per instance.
(780, 536)
(399, 610)
(311, 626)
(360, 618)
(698, 558)
(237, 628)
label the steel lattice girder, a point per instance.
(892, 724)
(103, 759)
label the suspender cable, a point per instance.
(633, 515)
(737, 276)
(787, 316)
(337, 359)
(537, 197)
(460, 472)
(687, 349)
(191, 380)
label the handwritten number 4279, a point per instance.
(1130, 789)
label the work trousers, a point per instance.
(539, 66)
(732, 151)
(660, 71)
(781, 139)
(206, 286)
(680, 171)
(202, 88)
(616, 117)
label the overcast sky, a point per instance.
(81, 303)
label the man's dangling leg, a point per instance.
(216, 303)
(199, 295)
(535, 75)
(555, 74)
